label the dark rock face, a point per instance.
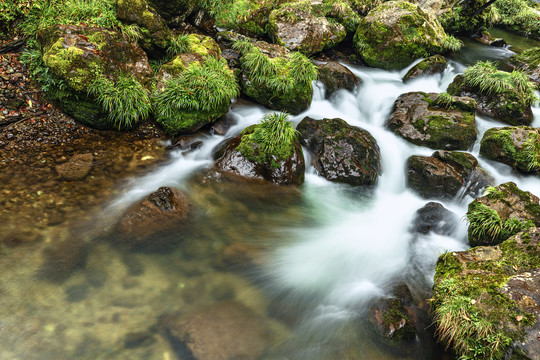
(76, 168)
(417, 119)
(517, 146)
(443, 174)
(432, 65)
(434, 217)
(342, 153)
(502, 212)
(507, 107)
(224, 331)
(335, 76)
(174, 11)
(290, 171)
(142, 222)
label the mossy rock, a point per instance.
(517, 146)
(396, 33)
(482, 299)
(174, 11)
(519, 16)
(156, 34)
(502, 212)
(341, 153)
(458, 17)
(298, 27)
(391, 321)
(418, 119)
(335, 76)
(77, 56)
(435, 64)
(508, 107)
(529, 62)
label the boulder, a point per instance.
(517, 146)
(485, 300)
(502, 212)
(435, 64)
(396, 33)
(297, 27)
(174, 11)
(335, 76)
(143, 222)
(435, 218)
(156, 34)
(76, 168)
(76, 56)
(529, 62)
(486, 39)
(288, 171)
(508, 107)
(223, 331)
(341, 153)
(445, 173)
(419, 119)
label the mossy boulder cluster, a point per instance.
(421, 119)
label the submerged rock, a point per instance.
(335, 76)
(76, 168)
(396, 33)
(502, 212)
(445, 173)
(419, 119)
(485, 300)
(429, 66)
(142, 223)
(342, 153)
(434, 217)
(223, 331)
(517, 146)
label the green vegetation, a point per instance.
(12, 11)
(521, 16)
(444, 100)
(206, 88)
(271, 141)
(126, 101)
(489, 80)
(463, 18)
(451, 43)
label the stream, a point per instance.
(322, 255)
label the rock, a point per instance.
(335, 76)
(445, 173)
(296, 26)
(174, 11)
(160, 211)
(502, 212)
(76, 168)
(62, 258)
(508, 107)
(238, 254)
(289, 171)
(429, 66)
(76, 56)
(417, 118)
(396, 33)
(517, 146)
(342, 153)
(223, 331)
(156, 34)
(529, 62)
(487, 298)
(139, 339)
(434, 217)
(486, 39)
(390, 319)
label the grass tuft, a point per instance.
(451, 43)
(444, 100)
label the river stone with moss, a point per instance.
(298, 27)
(435, 64)
(417, 118)
(502, 212)
(342, 153)
(529, 62)
(77, 56)
(396, 33)
(485, 300)
(517, 146)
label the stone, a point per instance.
(517, 146)
(142, 223)
(435, 64)
(335, 76)
(342, 153)
(435, 218)
(76, 168)
(223, 331)
(529, 62)
(417, 118)
(391, 321)
(174, 11)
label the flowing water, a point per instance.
(322, 254)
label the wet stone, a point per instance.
(76, 293)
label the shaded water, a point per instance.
(319, 256)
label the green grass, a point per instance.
(518, 15)
(486, 77)
(126, 101)
(178, 44)
(444, 100)
(451, 43)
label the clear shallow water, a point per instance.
(323, 253)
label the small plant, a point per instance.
(178, 44)
(492, 192)
(126, 100)
(132, 32)
(451, 43)
(444, 100)
(489, 80)
(531, 153)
